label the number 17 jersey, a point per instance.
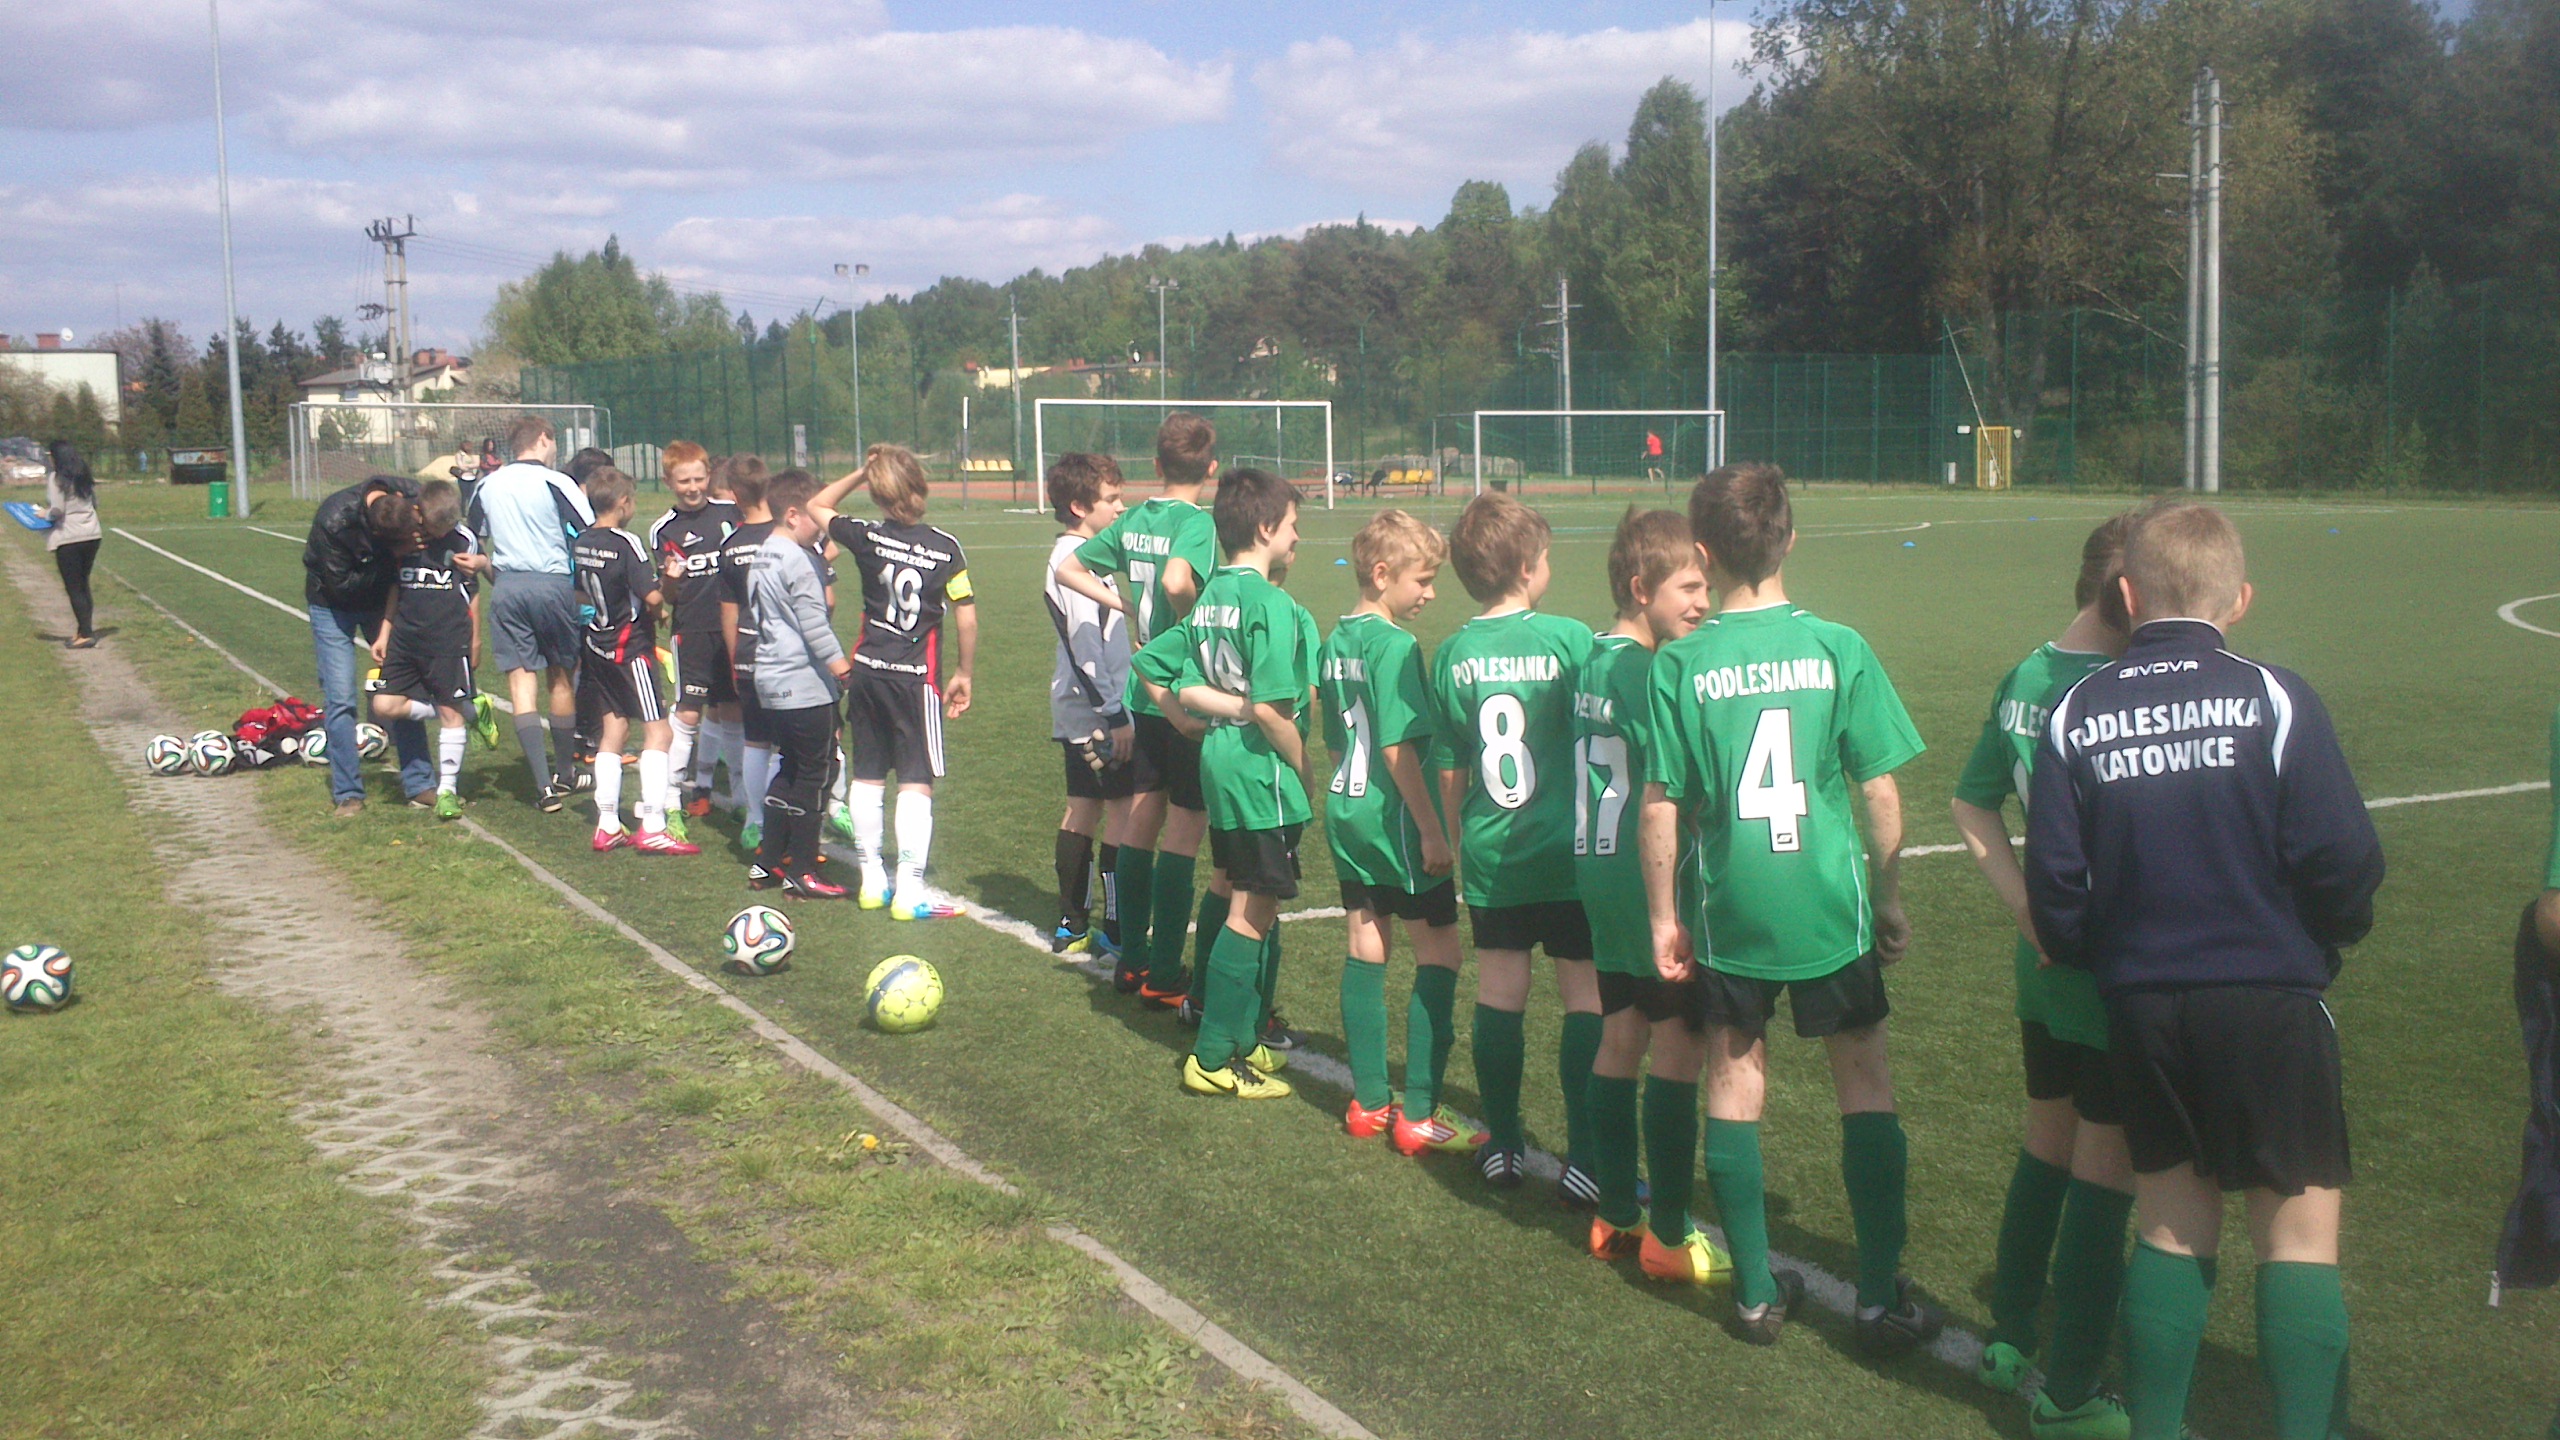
(1503, 689)
(1761, 721)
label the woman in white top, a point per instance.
(71, 502)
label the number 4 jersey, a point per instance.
(1503, 689)
(1761, 721)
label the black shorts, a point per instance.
(897, 725)
(1560, 926)
(436, 679)
(1849, 998)
(2241, 1080)
(1657, 998)
(1259, 862)
(755, 727)
(1111, 782)
(1435, 906)
(1168, 760)
(2062, 1070)
(629, 689)
(703, 676)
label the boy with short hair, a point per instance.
(687, 541)
(618, 595)
(1246, 669)
(2072, 1187)
(430, 640)
(1661, 594)
(1763, 719)
(2196, 842)
(1502, 691)
(754, 751)
(1390, 846)
(1088, 714)
(912, 574)
(800, 672)
(1165, 549)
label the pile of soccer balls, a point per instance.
(35, 978)
(210, 752)
(902, 995)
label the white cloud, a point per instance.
(789, 254)
(1418, 117)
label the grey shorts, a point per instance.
(535, 621)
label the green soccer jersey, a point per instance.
(1374, 695)
(2062, 998)
(1761, 721)
(1139, 545)
(1502, 701)
(1610, 710)
(1246, 638)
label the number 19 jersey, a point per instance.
(1761, 721)
(1503, 688)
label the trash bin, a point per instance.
(217, 500)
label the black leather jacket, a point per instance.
(343, 567)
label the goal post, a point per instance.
(332, 443)
(1288, 437)
(1558, 450)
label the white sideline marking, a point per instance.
(259, 595)
(291, 539)
(2507, 612)
(2519, 788)
(1186, 1321)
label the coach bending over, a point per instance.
(526, 514)
(348, 565)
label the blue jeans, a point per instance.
(335, 634)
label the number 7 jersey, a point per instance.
(1761, 721)
(1503, 689)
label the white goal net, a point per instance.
(333, 444)
(1291, 438)
(1593, 451)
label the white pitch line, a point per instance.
(2507, 612)
(290, 539)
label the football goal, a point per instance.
(1291, 438)
(1560, 451)
(333, 443)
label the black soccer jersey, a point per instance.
(737, 557)
(615, 579)
(697, 537)
(910, 575)
(433, 617)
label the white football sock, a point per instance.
(915, 838)
(654, 799)
(449, 743)
(759, 774)
(608, 772)
(870, 823)
(841, 787)
(728, 737)
(420, 710)
(680, 751)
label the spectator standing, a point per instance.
(348, 565)
(71, 503)
(527, 514)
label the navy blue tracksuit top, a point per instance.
(2191, 821)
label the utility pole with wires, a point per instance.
(1563, 322)
(394, 237)
(2204, 284)
(1160, 286)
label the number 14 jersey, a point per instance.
(1503, 689)
(1761, 721)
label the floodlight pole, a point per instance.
(1013, 324)
(2209, 372)
(1160, 286)
(2195, 271)
(853, 331)
(230, 291)
(1717, 441)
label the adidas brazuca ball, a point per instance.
(903, 994)
(758, 941)
(371, 740)
(315, 746)
(211, 752)
(35, 977)
(166, 755)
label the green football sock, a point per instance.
(2027, 1226)
(1269, 982)
(1670, 1154)
(1137, 905)
(2302, 1347)
(2088, 1280)
(1579, 1043)
(1364, 1031)
(1740, 1185)
(1168, 902)
(1204, 931)
(1226, 1010)
(1875, 1161)
(2165, 1300)
(1501, 1053)
(1614, 1143)
(1430, 1027)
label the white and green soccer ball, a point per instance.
(166, 755)
(371, 740)
(903, 994)
(315, 746)
(758, 940)
(35, 977)
(211, 752)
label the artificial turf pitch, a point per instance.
(1424, 1304)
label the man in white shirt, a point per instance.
(528, 513)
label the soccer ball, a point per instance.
(166, 755)
(903, 994)
(371, 740)
(211, 753)
(758, 940)
(315, 746)
(35, 977)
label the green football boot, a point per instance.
(2100, 1417)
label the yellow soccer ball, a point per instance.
(903, 994)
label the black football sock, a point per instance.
(564, 751)
(1107, 868)
(1075, 863)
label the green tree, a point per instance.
(598, 306)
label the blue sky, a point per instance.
(749, 148)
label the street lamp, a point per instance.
(1160, 286)
(853, 329)
(230, 295)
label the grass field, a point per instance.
(1424, 1305)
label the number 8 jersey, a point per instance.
(1761, 721)
(1503, 689)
